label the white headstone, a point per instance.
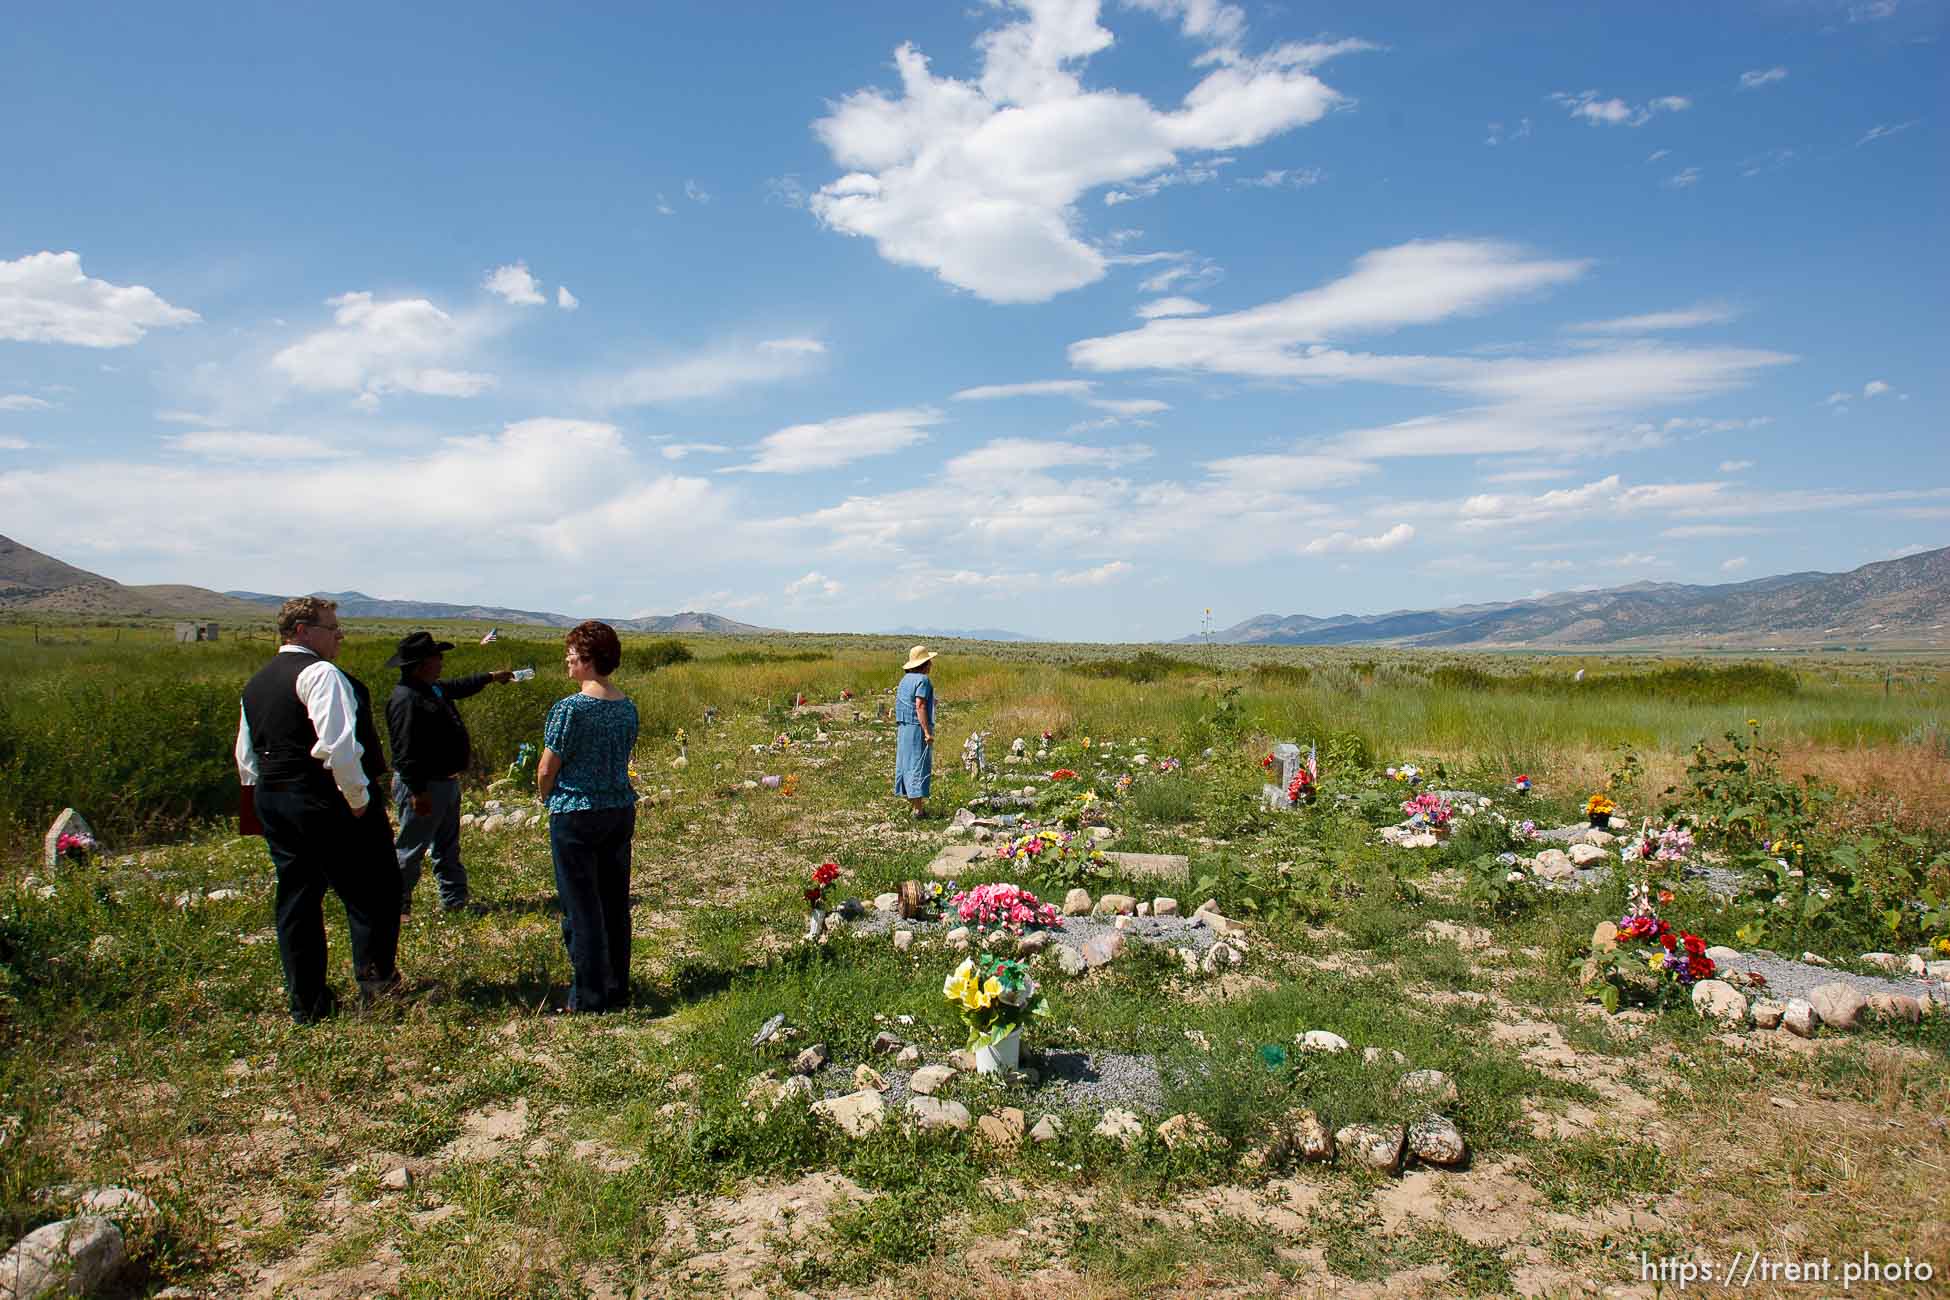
(69, 822)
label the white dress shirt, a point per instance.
(334, 713)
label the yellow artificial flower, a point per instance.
(992, 986)
(1654, 962)
(1753, 722)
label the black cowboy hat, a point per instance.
(416, 646)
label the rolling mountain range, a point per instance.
(31, 582)
(1903, 601)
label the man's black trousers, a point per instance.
(317, 844)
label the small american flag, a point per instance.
(491, 635)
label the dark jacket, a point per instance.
(429, 739)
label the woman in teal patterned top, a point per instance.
(584, 776)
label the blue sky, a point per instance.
(1071, 318)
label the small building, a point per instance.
(186, 632)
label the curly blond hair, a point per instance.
(301, 609)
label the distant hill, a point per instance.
(356, 604)
(31, 582)
(964, 633)
(1905, 600)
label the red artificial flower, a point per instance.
(1667, 941)
(1695, 945)
(1267, 761)
(1665, 896)
(1062, 774)
(1700, 967)
(826, 873)
(815, 894)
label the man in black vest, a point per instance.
(430, 752)
(308, 750)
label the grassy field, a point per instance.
(145, 1046)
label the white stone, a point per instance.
(1585, 855)
(397, 1179)
(909, 1055)
(1882, 960)
(936, 1113)
(1603, 839)
(1799, 1017)
(71, 1257)
(1719, 1000)
(1722, 956)
(1915, 964)
(1813, 959)
(1115, 904)
(1768, 1013)
(1164, 907)
(1070, 961)
(1188, 1131)
(1437, 1141)
(957, 935)
(1838, 1004)
(886, 902)
(1144, 909)
(1937, 970)
(494, 823)
(1896, 1007)
(903, 940)
(1032, 942)
(1076, 902)
(1321, 1040)
(122, 1205)
(1119, 1126)
(1378, 1147)
(1429, 1087)
(928, 1078)
(1048, 1129)
(1219, 957)
(857, 1113)
(1553, 864)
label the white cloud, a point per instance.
(373, 348)
(564, 488)
(1498, 135)
(1616, 112)
(8, 443)
(1837, 399)
(566, 300)
(1207, 20)
(1706, 313)
(1872, 11)
(1874, 388)
(1129, 407)
(1883, 131)
(707, 373)
(45, 298)
(1172, 307)
(227, 445)
(1693, 531)
(178, 416)
(1761, 77)
(23, 402)
(1657, 154)
(1035, 388)
(1762, 163)
(1735, 565)
(1199, 174)
(1294, 178)
(814, 585)
(514, 283)
(1409, 284)
(1096, 577)
(827, 444)
(1007, 459)
(1297, 471)
(663, 207)
(977, 181)
(695, 192)
(1541, 474)
(1634, 560)
(1683, 179)
(1735, 466)
(1399, 535)
(679, 450)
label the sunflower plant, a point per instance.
(995, 996)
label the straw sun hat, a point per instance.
(919, 655)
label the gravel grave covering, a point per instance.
(1070, 1080)
(1796, 979)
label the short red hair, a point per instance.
(597, 644)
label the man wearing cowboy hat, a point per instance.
(430, 752)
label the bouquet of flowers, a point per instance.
(1004, 905)
(1522, 784)
(75, 845)
(996, 997)
(522, 770)
(1169, 765)
(1428, 808)
(1407, 773)
(1677, 963)
(1063, 774)
(823, 875)
(1124, 783)
(1599, 805)
(1665, 844)
(1301, 788)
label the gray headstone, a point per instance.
(69, 822)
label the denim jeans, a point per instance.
(592, 876)
(317, 844)
(435, 834)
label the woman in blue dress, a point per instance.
(585, 777)
(914, 725)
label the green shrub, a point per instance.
(648, 656)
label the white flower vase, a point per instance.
(1006, 1055)
(815, 925)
